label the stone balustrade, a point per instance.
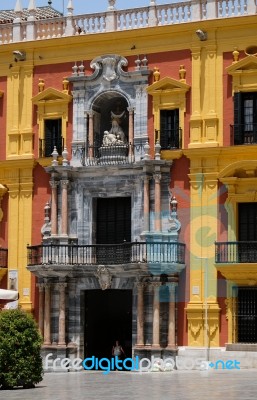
(120, 20)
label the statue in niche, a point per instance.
(115, 136)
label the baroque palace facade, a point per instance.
(128, 174)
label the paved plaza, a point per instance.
(179, 385)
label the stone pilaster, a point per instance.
(140, 314)
(41, 308)
(64, 185)
(157, 202)
(61, 286)
(54, 229)
(47, 315)
(156, 314)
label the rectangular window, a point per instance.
(170, 133)
(245, 118)
(53, 137)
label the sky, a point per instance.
(81, 6)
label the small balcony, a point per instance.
(46, 147)
(169, 139)
(243, 134)
(235, 252)
(107, 254)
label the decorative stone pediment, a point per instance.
(239, 169)
(244, 74)
(167, 85)
(51, 95)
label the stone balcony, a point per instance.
(28, 28)
(125, 259)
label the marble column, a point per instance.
(61, 286)
(171, 325)
(64, 184)
(41, 308)
(131, 131)
(54, 185)
(90, 134)
(146, 204)
(140, 314)
(156, 314)
(47, 315)
(157, 202)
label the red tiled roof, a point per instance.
(7, 16)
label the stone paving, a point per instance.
(179, 385)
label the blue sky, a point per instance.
(81, 6)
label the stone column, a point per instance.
(47, 315)
(131, 131)
(171, 326)
(64, 184)
(41, 308)
(90, 134)
(140, 314)
(156, 315)
(61, 286)
(157, 204)
(146, 204)
(54, 185)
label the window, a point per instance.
(245, 118)
(53, 137)
(170, 136)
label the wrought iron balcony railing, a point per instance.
(236, 252)
(243, 134)
(106, 254)
(46, 147)
(169, 139)
(3, 258)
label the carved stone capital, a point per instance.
(157, 177)
(53, 184)
(64, 183)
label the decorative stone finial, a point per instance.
(32, 5)
(182, 73)
(70, 7)
(75, 69)
(137, 62)
(18, 7)
(55, 156)
(65, 161)
(144, 62)
(146, 149)
(175, 225)
(156, 74)
(111, 5)
(81, 69)
(41, 85)
(157, 155)
(46, 228)
(65, 85)
(235, 55)
(47, 212)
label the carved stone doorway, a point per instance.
(108, 317)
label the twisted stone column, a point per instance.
(90, 133)
(64, 184)
(61, 287)
(47, 315)
(54, 185)
(157, 202)
(131, 131)
(146, 204)
(140, 314)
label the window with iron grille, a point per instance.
(169, 129)
(53, 137)
(245, 118)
